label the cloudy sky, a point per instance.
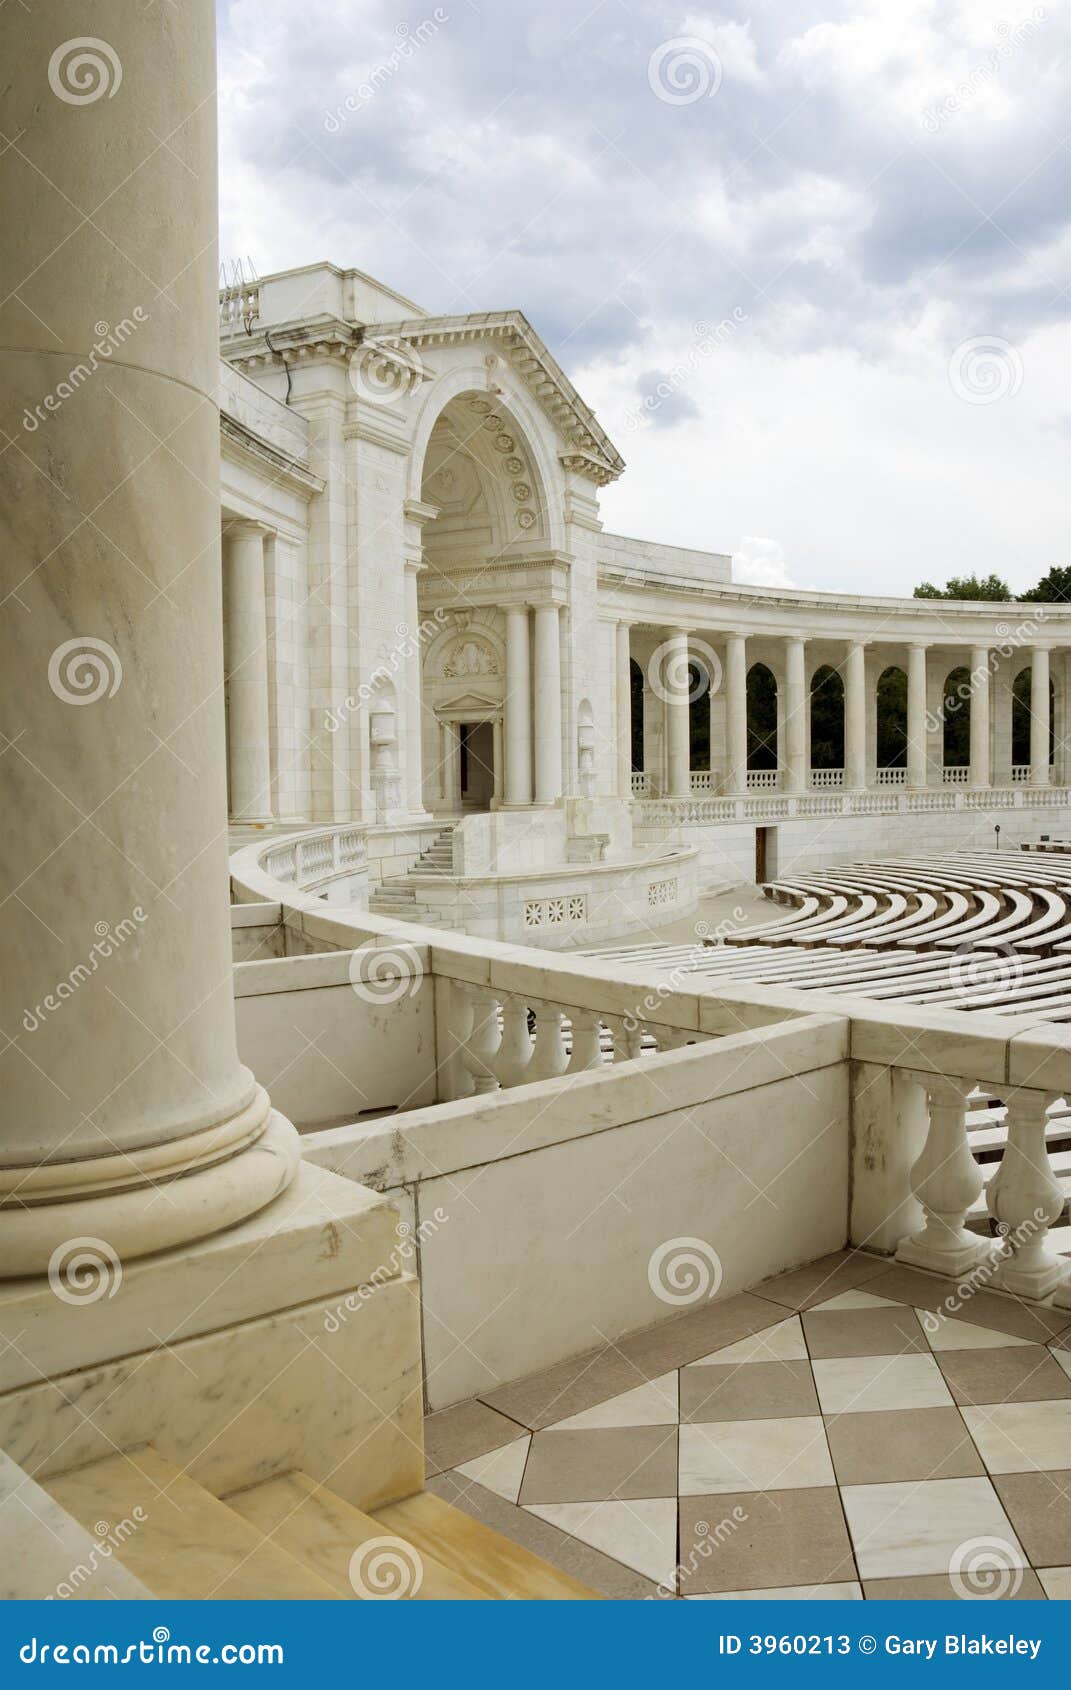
(809, 262)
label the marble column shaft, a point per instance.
(547, 704)
(248, 726)
(517, 707)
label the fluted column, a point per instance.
(673, 681)
(736, 713)
(623, 685)
(855, 717)
(795, 716)
(517, 709)
(1039, 716)
(547, 704)
(248, 731)
(979, 772)
(129, 1123)
(916, 716)
(414, 694)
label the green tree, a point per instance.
(1053, 588)
(967, 587)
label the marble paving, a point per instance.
(845, 1430)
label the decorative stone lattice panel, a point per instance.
(662, 892)
(569, 911)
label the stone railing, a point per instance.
(763, 780)
(305, 861)
(1020, 772)
(890, 777)
(825, 780)
(702, 780)
(956, 774)
(700, 811)
(641, 783)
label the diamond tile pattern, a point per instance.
(833, 1433)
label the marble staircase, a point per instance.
(291, 1539)
(396, 897)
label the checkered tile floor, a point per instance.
(844, 1431)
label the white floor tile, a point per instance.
(1019, 1437)
(1056, 1583)
(856, 1300)
(642, 1535)
(862, 1384)
(652, 1404)
(783, 1342)
(754, 1455)
(502, 1470)
(942, 1333)
(906, 1529)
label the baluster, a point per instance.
(515, 1050)
(628, 1037)
(481, 1047)
(1025, 1199)
(587, 1041)
(672, 1038)
(946, 1180)
(548, 1058)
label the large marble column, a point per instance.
(623, 689)
(736, 713)
(673, 682)
(547, 704)
(246, 654)
(517, 707)
(129, 1123)
(795, 716)
(979, 771)
(414, 695)
(916, 715)
(855, 717)
(1039, 716)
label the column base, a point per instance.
(62, 1218)
(1062, 1297)
(951, 1261)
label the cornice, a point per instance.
(242, 445)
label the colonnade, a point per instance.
(794, 775)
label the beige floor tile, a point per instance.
(675, 1343)
(1021, 1437)
(862, 1332)
(1008, 1584)
(619, 1463)
(795, 1593)
(767, 1390)
(1026, 1373)
(864, 1384)
(1039, 1507)
(568, 1388)
(754, 1455)
(462, 1433)
(980, 1308)
(900, 1444)
(844, 1270)
(763, 1540)
(899, 1530)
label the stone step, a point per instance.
(327, 1534)
(496, 1565)
(186, 1545)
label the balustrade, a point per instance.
(956, 774)
(947, 1181)
(763, 780)
(890, 777)
(823, 779)
(641, 783)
